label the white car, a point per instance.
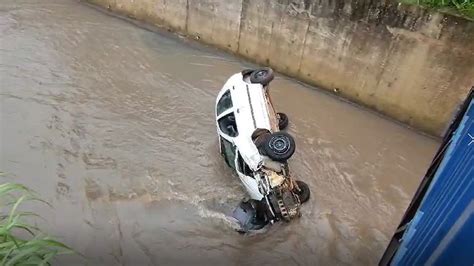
(252, 144)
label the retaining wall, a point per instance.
(412, 64)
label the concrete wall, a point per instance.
(409, 63)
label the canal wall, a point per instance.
(407, 62)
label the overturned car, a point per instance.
(252, 144)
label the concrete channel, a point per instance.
(113, 124)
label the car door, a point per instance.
(228, 152)
(227, 125)
(247, 177)
(225, 117)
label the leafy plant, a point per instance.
(34, 249)
(465, 7)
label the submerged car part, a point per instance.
(250, 216)
(282, 203)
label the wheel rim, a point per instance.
(260, 74)
(280, 144)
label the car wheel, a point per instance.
(262, 76)
(304, 193)
(282, 121)
(260, 136)
(280, 146)
(247, 71)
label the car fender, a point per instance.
(251, 185)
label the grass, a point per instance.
(33, 249)
(463, 7)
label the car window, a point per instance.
(228, 151)
(228, 126)
(225, 102)
(243, 167)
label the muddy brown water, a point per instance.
(113, 124)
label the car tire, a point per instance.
(262, 76)
(280, 146)
(247, 71)
(282, 121)
(304, 192)
(259, 138)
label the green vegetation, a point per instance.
(463, 7)
(20, 242)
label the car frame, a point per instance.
(252, 144)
